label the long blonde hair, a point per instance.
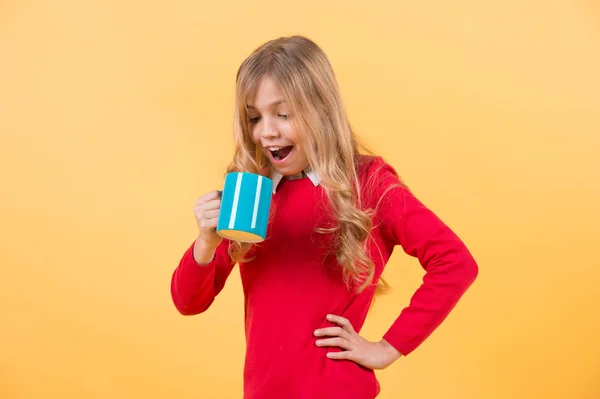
(304, 74)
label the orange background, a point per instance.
(116, 115)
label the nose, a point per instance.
(269, 130)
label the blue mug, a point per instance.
(245, 207)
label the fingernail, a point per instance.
(316, 332)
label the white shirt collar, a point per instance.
(311, 174)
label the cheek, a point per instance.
(300, 144)
(292, 134)
(254, 134)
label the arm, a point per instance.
(194, 285)
(449, 266)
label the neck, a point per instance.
(297, 176)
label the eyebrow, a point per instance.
(270, 105)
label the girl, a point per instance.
(337, 214)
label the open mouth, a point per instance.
(280, 153)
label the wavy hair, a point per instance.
(305, 76)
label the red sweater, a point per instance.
(293, 282)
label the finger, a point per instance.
(341, 321)
(210, 215)
(210, 224)
(215, 194)
(333, 332)
(337, 342)
(212, 205)
(202, 205)
(343, 355)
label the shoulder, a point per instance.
(376, 177)
(375, 169)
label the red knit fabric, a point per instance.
(294, 281)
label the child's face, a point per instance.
(272, 130)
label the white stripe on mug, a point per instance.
(256, 201)
(236, 199)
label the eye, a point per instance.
(254, 119)
(283, 116)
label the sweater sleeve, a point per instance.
(193, 286)
(449, 266)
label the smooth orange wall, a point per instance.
(115, 116)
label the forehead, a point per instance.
(267, 94)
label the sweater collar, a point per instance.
(308, 172)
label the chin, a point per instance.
(289, 171)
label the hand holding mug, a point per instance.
(207, 211)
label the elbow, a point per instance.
(185, 311)
(470, 270)
(188, 303)
(183, 307)
(189, 308)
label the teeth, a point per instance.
(274, 148)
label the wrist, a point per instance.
(392, 353)
(204, 252)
